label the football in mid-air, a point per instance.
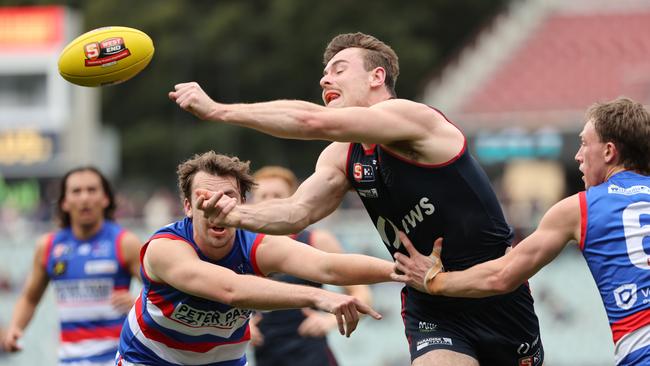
(105, 56)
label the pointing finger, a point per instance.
(365, 309)
(407, 244)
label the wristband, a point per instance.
(431, 273)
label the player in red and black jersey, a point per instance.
(411, 168)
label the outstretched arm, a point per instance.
(31, 295)
(558, 226)
(385, 122)
(177, 264)
(327, 242)
(285, 255)
(317, 197)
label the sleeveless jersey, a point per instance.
(170, 327)
(282, 343)
(85, 273)
(615, 229)
(285, 323)
(453, 200)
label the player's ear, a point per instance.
(65, 207)
(610, 153)
(187, 207)
(377, 76)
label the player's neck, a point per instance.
(378, 97)
(84, 232)
(613, 170)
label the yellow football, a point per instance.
(105, 56)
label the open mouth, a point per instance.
(330, 96)
(216, 230)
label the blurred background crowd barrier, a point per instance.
(515, 75)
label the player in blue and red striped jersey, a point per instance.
(610, 220)
(90, 261)
(201, 281)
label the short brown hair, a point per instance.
(378, 54)
(63, 217)
(216, 164)
(625, 123)
(273, 171)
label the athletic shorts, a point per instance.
(295, 352)
(499, 331)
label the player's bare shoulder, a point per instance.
(414, 111)
(335, 155)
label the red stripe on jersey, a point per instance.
(256, 243)
(583, 218)
(370, 150)
(118, 250)
(48, 249)
(167, 307)
(158, 336)
(427, 165)
(403, 312)
(630, 324)
(167, 236)
(83, 334)
(142, 266)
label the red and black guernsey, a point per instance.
(283, 345)
(453, 200)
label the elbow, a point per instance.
(192, 282)
(228, 295)
(328, 272)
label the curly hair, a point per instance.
(218, 164)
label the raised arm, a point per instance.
(176, 264)
(383, 123)
(317, 197)
(285, 255)
(558, 226)
(31, 295)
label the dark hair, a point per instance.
(625, 123)
(213, 163)
(378, 54)
(63, 217)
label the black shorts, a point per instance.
(294, 352)
(499, 331)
